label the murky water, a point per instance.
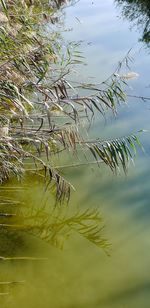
(81, 274)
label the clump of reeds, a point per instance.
(44, 111)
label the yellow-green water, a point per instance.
(83, 275)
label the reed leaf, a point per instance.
(115, 153)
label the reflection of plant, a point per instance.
(56, 226)
(22, 214)
(138, 11)
(59, 227)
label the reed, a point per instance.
(41, 111)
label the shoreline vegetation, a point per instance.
(44, 116)
(40, 112)
(41, 117)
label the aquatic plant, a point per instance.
(44, 110)
(42, 116)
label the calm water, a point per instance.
(82, 275)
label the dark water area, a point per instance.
(82, 274)
(138, 12)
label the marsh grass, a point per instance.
(42, 116)
(44, 111)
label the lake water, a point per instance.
(81, 274)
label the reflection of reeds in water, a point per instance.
(55, 224)
(6, 286)
(52, 225)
